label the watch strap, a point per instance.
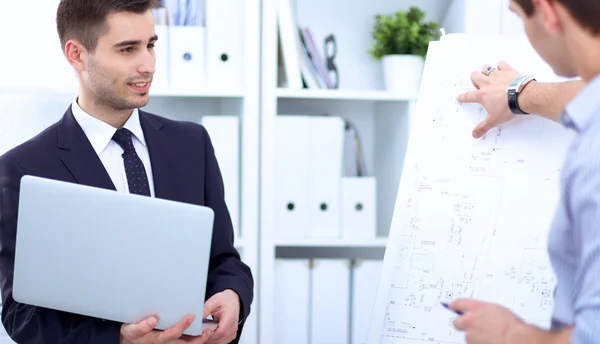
(513, 103)
(513, 90)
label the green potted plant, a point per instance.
(400, 42)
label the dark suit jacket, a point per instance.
(184, 168)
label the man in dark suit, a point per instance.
(103, 140)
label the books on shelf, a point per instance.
(301, 62)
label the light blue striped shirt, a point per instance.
(574, 240)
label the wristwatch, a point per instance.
(513, 90)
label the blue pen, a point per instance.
(448, 307)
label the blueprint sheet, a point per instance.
(472, 216)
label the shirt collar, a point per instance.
(100, 133)
(583, 107)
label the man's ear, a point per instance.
(75, 53)
(549, 14)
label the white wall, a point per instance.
(511, 23)
(454, 20)
(475, 16)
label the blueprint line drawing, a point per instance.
(472, 215)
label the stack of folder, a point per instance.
(316, 195)
(200, 44)
(324, 300)
(224, 133)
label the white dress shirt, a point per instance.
(100, 135)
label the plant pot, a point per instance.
(402, 73)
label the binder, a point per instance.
(330, 301)
(224, 33)
(326, 149)
(292, 300)
(187, 57)
(160, 80)
(289, 40)
(224, 132)
(359, 208)
(365, 281)
(292, 183)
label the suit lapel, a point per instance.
(79, 156)
(161, 150)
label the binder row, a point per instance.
(194, 56)
(224, 132)
(187, 57)
(324, 301)
(317, 197)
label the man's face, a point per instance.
(119, 72)
(546, 38)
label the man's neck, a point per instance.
(587, 57)
(94, 108)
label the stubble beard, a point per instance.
(105, 91)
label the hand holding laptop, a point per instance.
(143, 332)
(224, 307)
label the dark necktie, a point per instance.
(136, 173)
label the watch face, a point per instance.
(516, 82)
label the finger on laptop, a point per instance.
(176, 331)
(140, 328)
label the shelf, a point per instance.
(37, 90)
(203, 93)
(338, 243)
(185, 93)
(358, 95)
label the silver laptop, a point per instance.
(111, 255)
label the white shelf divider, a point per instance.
(200, 93)
(358, 95)
(189, 93)
(333, 242)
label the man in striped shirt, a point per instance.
(566, 33)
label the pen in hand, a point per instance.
(448, 307)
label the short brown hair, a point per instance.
(85, 20)
(586, 12)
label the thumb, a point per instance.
(210, 306)
(140, 329)
(482, 128)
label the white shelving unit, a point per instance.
(332, 243)
(382, 119)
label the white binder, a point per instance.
(160, 80)
(326, 149)
(359, 208)
(224, 33)
(291, 164)
(365, 281)
(224, 132)
(187, 57)
(292, 300)
(290, 43)
(330, 296)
